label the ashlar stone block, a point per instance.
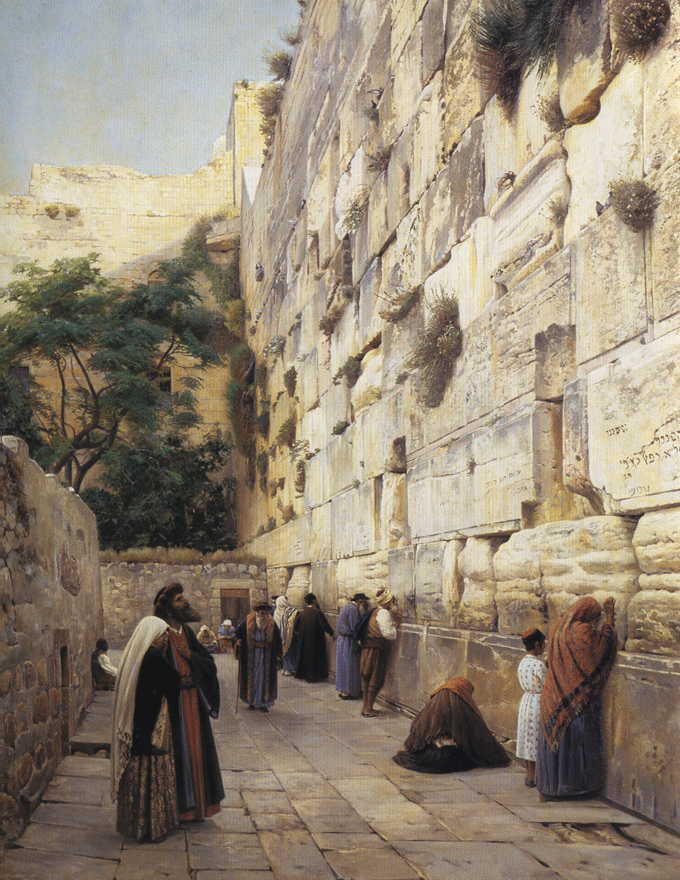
(477, 609)
(362, 574)
(526, 218)
(394, 531)
(368, 387)
(634, 428)
(462, 89)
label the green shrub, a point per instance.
(275, 347)
(379, 160)
(72, 211)
(279, 62)
(340, 427)
(262, 424)
(634, 202)
(638, 24)
(300, 477)
(400, 303)
(290, 380)
(286, 435)
(350, 371)
(261, 373)
(269, 98)
(52, 210)
(330, 320)
(437, 350)
(242, 363)
(356, 211)
(550, 111)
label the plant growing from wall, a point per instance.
(275, 347)
(400, 303)
(290, 380)
(356, 210)
(262, 423)
(261, 373)
(329, 321)
(242, 363)
(550, 111)
(262, 467)
(72, 211)
(378, 161)
(287, 511)
(279, 62)
(638, 24)
(52, 210)
(293, 37)
(269, 98)
(437, 350)
(634, 202)
(340, 427)
(286, 434)
(350, 371)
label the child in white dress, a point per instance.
(531, 672)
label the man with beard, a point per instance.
(199, 784)
(257, 644)
(311, 627)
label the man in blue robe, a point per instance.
(348, 650)
(257, 645)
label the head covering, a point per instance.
(147, 631)
(263, 606)
(451, 713)
(163, 597)
(282, 614)
(204, 628)
(580, 658)
(226, 622)
(531, 638)
(309, 599)
(359, 597)
(383, 597)
(102, 645)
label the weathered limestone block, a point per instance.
(362, 574)
(429, 591)
(477, 608)
(466, 275)
(335, 406)
(377, 219)
(401, 579)
(634, 428)
(555, 360)
(520, 595)
(370, 324)
(607, 148)
(397, 180)
(426, 137)
(290, 543)
(277, 581)
(312, 428)
(345, 339)
(576, 460)
(454, 199)
(368, 387)
(299, 584)
(527, 222)
(374, 433)
(407, 83)
(654, 612)
(664, 248)
(323, 584)
(583, 61)
(405, 19)
(452, 578)
(321, 541)
(610, 286)
(357, 506)
(394, 531)
(660, 101)
(462, 89)
(434, 32)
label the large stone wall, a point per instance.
(128, 590)
(524, 488)
(50, 618)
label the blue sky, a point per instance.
(142, 83)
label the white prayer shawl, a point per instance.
(282, 613)
(147, 631)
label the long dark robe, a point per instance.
(207, 706)
(147, 795)
(312, 658)
(272, 660)
(578, 766)
(448, 716)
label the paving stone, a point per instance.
(321, 814)
(76, 790)
(75, 816)
(105, 844)
(148, 862)
(85, 767)
(649, 835)
(235, 853)
(231, 821)
(176, 842)
(234, 875)
(306, 785)
(20, 864)
(579, 862)
(369, 863)
(467, 860)
(488, 822)
(250, 780)
(294, 855)
(583, 812)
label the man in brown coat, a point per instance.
(376, 640)
(257, 644)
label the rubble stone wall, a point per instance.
(50, 619)
(550, 469)
(128, 591)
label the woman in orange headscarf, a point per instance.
(449, 734)
(580, 656)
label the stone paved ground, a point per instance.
(313, 795)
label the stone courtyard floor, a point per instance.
(312, 794)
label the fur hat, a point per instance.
(383, 597)
(359, 597)
(263, 606)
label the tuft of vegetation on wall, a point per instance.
(349, 371)
(437, 350)
(330, 320)
(279, 62)
(638, 24)
(634, 202)
(290, 380)
(400, 303)
(269, 99)
(52, 210)
(379, 160)
(286, 434)
(340, 427)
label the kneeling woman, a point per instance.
(450, 735)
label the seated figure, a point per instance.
(208, 639)
(449, 734)
(102, 669)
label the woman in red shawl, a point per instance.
(449, 734)
(580, 657)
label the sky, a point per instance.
(141, 83)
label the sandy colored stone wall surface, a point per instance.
(128, 591)
(549, 469)
(50, 619)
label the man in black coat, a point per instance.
(311, 626)
(199, 784)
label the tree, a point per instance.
(110, 349)
(16, 413)
(165, 492)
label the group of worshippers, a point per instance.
(558, 730)
(164, 766)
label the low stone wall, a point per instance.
(50, 617)
(129, 588)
